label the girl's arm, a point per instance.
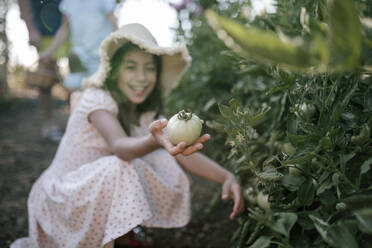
(128, 148)
(204, 167)
(58, 39)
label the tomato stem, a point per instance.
(184, 115)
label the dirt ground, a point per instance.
(24, 155)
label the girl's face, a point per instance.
(137, 75)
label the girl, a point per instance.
(115, 168)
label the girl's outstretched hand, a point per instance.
(231, 188)
(156, 129)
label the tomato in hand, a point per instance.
(184, 126)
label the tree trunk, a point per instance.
(4, 56)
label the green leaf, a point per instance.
(299, 159)
(327, 184)
(235, 104)
(258, 117)
(302, 139)
(325, 143)
(297, 139)
(261, 242)
(321, 226)
(242, 169)
(270, 173)
(226, 111)
(365, 167)
(359, 201)
(209, 104)
(306, 192)
(340, 108)
(337, 236)
(344, 158)
(364, 218)
(345, 32)
(284, 223)
(305, 222)
(328, 198)
(292, 182)
(244, 232)
(340, 237)
(324, 176)
(264, 46)
(216, 126)
(280, 87)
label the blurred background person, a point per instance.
(87, 23)
(43, 19)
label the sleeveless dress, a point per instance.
(89, 197)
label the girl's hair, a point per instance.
(152, 103)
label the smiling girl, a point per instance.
(115, 168)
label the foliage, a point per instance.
(291, 113)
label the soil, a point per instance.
(24, 154)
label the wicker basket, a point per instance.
(44, 77)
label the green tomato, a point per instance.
(305, 111)
(263, 201)
(341, 206)
(184, 126)
(248, 194)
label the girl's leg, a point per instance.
(109, 245)
(135, 238)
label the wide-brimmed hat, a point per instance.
(175, 60)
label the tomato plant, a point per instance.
(289, 97)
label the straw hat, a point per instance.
(175, 60)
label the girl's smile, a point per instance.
(137, 76)
(139, 88)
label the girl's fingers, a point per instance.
(232, 215)
(225, 191)
(154, 126)
(174, 150)
(237, 200)
(157, 125)
(198, 145)
(162, 140)
(163, 123)
(203, 138)
(191, 149)
(238, 203)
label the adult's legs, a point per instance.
(49, 128)
(45, 97)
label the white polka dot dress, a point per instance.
(89, 197)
